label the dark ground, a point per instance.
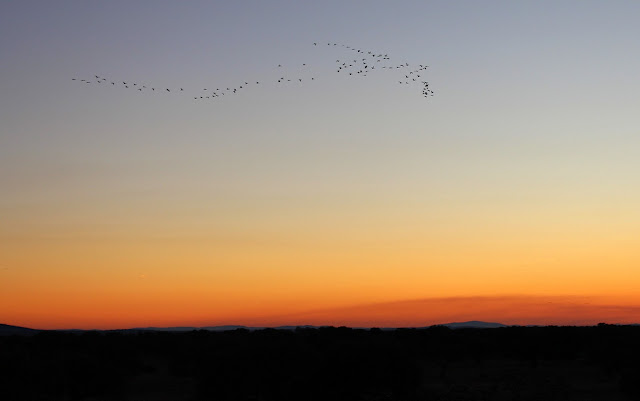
(437, 363)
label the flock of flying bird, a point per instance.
(363, 63)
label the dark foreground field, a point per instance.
(515, 363)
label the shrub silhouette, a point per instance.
(526, 363)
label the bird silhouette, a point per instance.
(361, 66)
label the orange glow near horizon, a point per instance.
(357, 278)
(274, 264)
(510, 310)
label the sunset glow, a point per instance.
(510, 196)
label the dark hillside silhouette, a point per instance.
(436, 363)
(7, 330)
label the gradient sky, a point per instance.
(511, 195)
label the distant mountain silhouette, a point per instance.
(305, 326)
(229, 327)
(475, 324)
(455, 325)
(7, 330)
(179, 328)
(222, 328)
(16, 330)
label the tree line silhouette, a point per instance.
(436, 363)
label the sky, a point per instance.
(510, 195)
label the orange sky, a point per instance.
(514, 309)
(395, 275)
(511, 195)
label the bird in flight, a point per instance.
(359, 67)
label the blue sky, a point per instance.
(532, 134)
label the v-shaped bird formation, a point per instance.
(352, 62)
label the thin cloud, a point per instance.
(507, 309)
